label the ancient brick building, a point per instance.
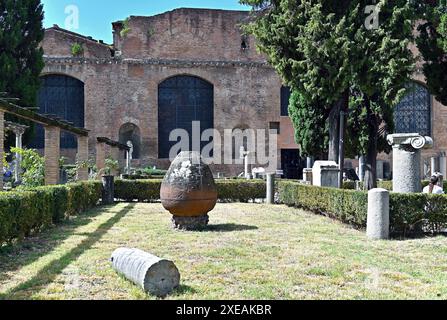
(165, 71)
(198, 59)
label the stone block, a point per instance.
(378, 226)
(325, 174)
(307, 175)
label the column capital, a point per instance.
(413, 140)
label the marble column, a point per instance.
(128, 161)
(407, 161)
(18, 132)
(443, 164)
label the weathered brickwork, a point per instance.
(188, 34)
(82, 156)
(52, 152)
(203, 43)
(121, 80)
(58, 43)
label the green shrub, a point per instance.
(387, 185)
(140, 190)
(241, 190)
(228, 190)
(33, 166)
(408, 212)
(77, 49)
(345, 205)
(349, 185)
(25, 212)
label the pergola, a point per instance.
(18, 130)
(53, 127)
(101, 143)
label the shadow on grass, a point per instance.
(47, 274)
(229, 227)
(27, 251)
(183, 289)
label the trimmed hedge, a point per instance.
(345, 205)
(228, 190)
(387, 185)
(140, 190)
(25, 212)
(409, 213)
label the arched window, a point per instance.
(413, 113)
(61, 96)
(285, 98)
(131, 132)
(182, 100)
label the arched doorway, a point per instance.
(413, 113)
(131, 132)
(182, 100)
(61, 96)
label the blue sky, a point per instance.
(96, 16)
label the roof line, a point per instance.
(57, 28)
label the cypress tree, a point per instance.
(21, 58)
(333, 62)
(432, 44)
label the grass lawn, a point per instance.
(249, 252)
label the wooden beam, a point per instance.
(27, 114)
(112, 143)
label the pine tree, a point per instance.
(21, 58)
(333, 63)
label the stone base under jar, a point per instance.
(190, 223)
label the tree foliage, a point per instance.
(323, 50)
(432, 44)
(21, 58)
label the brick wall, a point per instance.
(52, 155)
(192, 34)
(58, 43)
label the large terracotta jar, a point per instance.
(189, 191)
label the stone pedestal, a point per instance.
(52, 155)
(443, 165)
(108, 190)
(82, 158)
(271, 188)
(325, 174)
(190, 223)
(407, 161)
(307, 175)
(378, 227)
(2, 141)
